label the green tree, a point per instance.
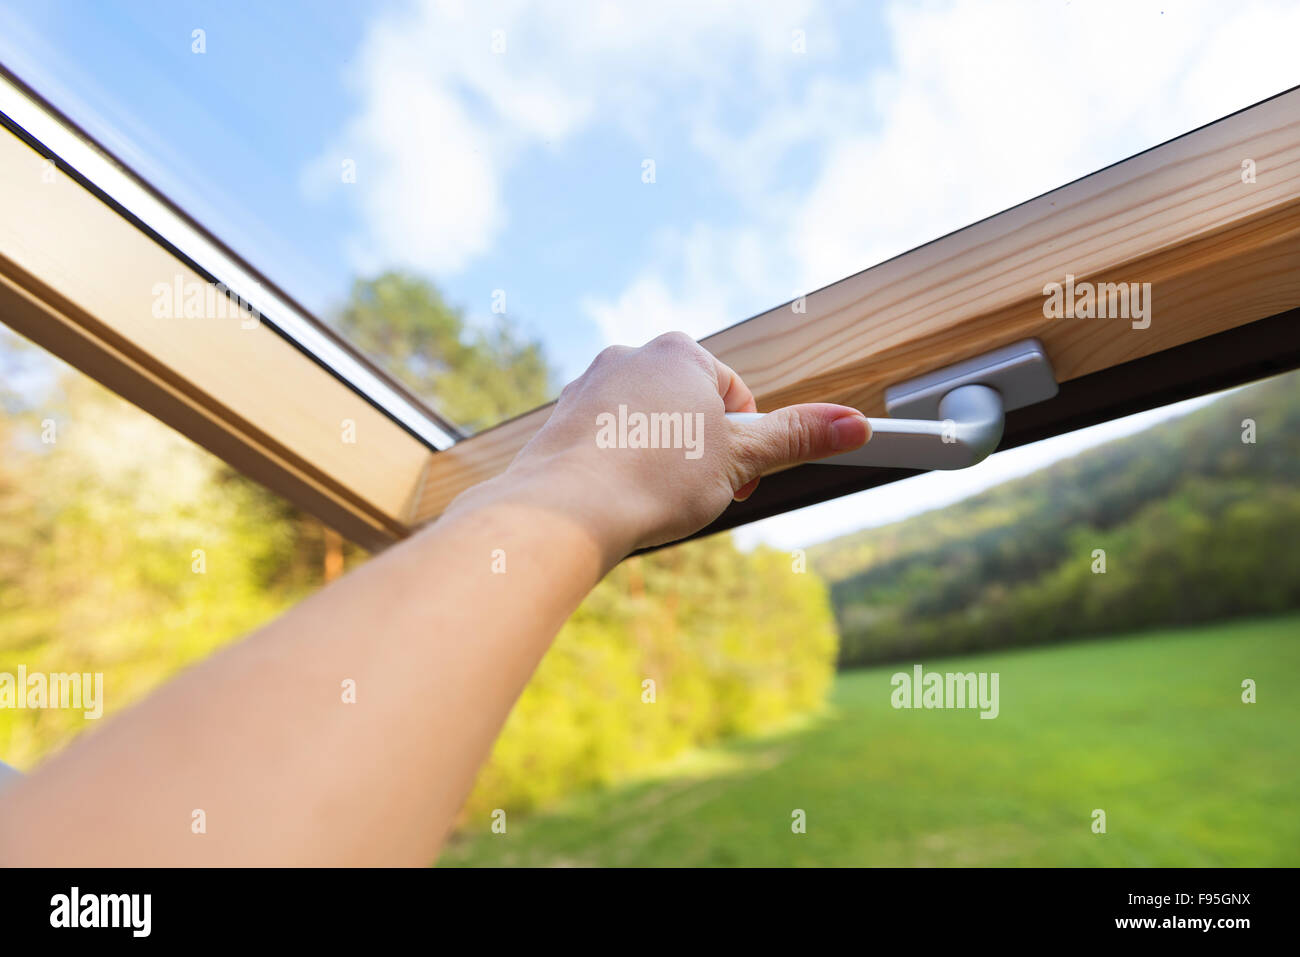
(475, 377)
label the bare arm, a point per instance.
(439, 646)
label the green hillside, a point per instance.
(1195, 525)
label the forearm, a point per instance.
(439, 635)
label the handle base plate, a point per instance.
(1020, 372)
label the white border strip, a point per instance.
(76, 154)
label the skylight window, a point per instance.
(525, 186)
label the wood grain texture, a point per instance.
(79, 280)
(1217, 251)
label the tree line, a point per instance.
(1192, 520)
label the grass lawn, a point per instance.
(1151, 729)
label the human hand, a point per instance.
(592, 457)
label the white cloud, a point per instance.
(712, 269)
(986, 109)
(646, 308)
(829, 164)
(980, 108)
(442, 119)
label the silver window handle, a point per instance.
(970, 429)
(964, 407)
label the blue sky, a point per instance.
(794, 143)
(250, 135)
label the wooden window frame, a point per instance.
(83, 245)
(78, 262)
(1219, 252)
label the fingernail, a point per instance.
(849, 432)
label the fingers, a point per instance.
(781, 439)
(746, 490)
(787, 437)
(736, 396)
(798, 434)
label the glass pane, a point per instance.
(482, 195)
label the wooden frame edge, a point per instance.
(76, 278)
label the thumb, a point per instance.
(797, 434)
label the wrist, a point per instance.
(566, 491)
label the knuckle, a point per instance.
(683, 348)
(747, 460)
(675, 338)
(801, 439)
(679, 344)
(608, 353)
